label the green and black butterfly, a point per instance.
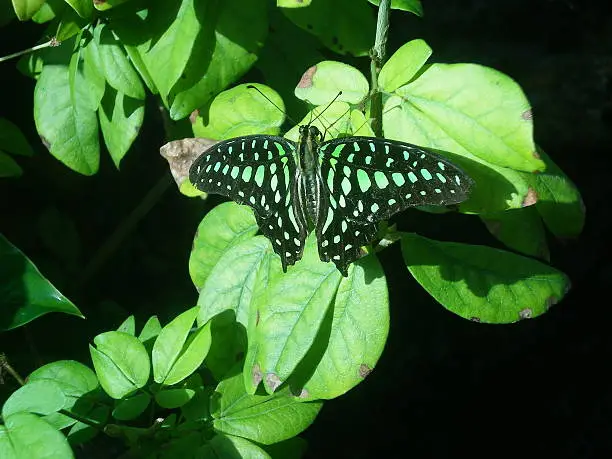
(339, 188)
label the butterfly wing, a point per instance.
(257, 171)
(370, 179)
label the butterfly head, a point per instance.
(311, 132)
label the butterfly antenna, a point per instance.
(250, 86)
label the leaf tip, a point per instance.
(530, 198)
(273, 381)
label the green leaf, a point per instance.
(41, 397)
(65, 120)
(108, 4)
(360, 125)
(84, 8)
(558, 200)
(169, 344)
(322, 83)
(174, 398)
(288, 314)
(241, 111)
(403, 65)
(119, 72)
(224, 226)
(75, 380)
(70, 24)
(132, 407)
(231, 447)
(476, 107)
(265, 419)
(355, 333)
(233, 280)
(228, 344)
(128, 326)
(25, 9)
(150, 330)
(412, 6)
(121, 362)
(120, 120)
(292, 3)
(93, 72)
(230, 41)
(344, 26)
(197, 409)
(191, 357)
(12, 140)
(481, 283)
(25, 435)
(519, 229)
(8, 166)
(48, 11)
(25, 292)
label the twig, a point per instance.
(50, 43)
(377, 56)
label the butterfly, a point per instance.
(339, 188)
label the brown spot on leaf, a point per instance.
(273, 381)
(531, 198)
(99, 2)
(306, 80)
(257, 316)
(475, 319)
(527, 115)
(536, 155)
(526, 313)
(256, 374)
(181, 154)
(364, 370)
(194, 115)
(304, 394)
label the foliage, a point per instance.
(268, 346)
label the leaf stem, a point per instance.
(50, 43)
(5, 366)
(377, 56)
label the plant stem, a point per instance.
(377, 56)
(5, 366)
(52, 42)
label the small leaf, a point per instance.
(169, 344)
(191, 357)
(119, 72)
(322, 83)
(26, 294)
(8, 166)
(41, 397)
(228, 344)
(107, 4)
(84, 8)
(223, 227)
(344, 26)
(25, 9)
(265, 419)
(292, 3)
(70, 24)
(31, 437)
(519, 229)
(12, 139)
(132, 407)
(120, 120)
(481, 283)
(121, 362)
(242, 110)
(403, 65)
(150, 330)
(65, 121)
(173, 398)
(128, 326)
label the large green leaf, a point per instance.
(265, 419)
(476, 107)
(25, 292)
(242, 110)
(352, 338)
(288, 316)
(481, 283)
(25, 435)
(344, 26)
(226, 225)
(65, 120)
(41, 397)
(25, 9)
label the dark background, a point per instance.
(444, 387)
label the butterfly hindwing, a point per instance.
(257, 171)
(370, 179)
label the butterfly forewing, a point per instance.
(369, 180)
(257, 171)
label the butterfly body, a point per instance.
(340, 188)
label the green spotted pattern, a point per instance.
(340, 188)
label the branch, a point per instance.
(377, 56)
